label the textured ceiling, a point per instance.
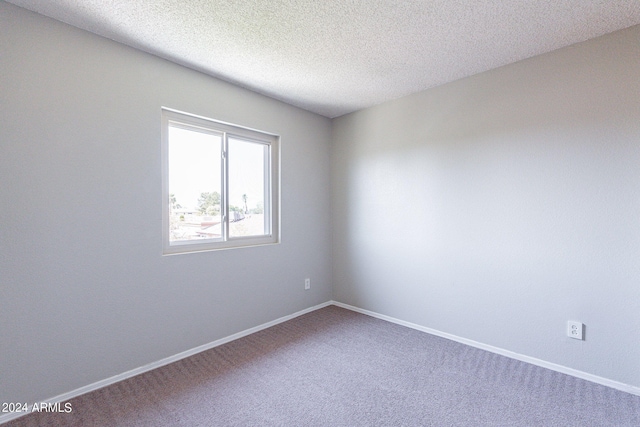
(337, 56)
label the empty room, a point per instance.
(320, 213)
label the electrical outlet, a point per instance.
(307, 284)
(574, 330)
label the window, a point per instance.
(220, 185)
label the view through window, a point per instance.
(219, 185)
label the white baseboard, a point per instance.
(532, 360)
(132, 373)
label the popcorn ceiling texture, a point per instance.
(333, 57)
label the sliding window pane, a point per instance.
(248, 187)
(195, 187)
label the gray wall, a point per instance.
(498, 207)
(84, 291)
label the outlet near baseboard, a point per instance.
(575, 329)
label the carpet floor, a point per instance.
(334, 367)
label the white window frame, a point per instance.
(187, 121)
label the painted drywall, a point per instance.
(498, 207)
(85, 293)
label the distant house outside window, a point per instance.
(220, 184)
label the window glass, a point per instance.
(220, 185)
(247, 188)
(195, 188)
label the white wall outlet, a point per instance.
(574, 329)
(307, 284)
